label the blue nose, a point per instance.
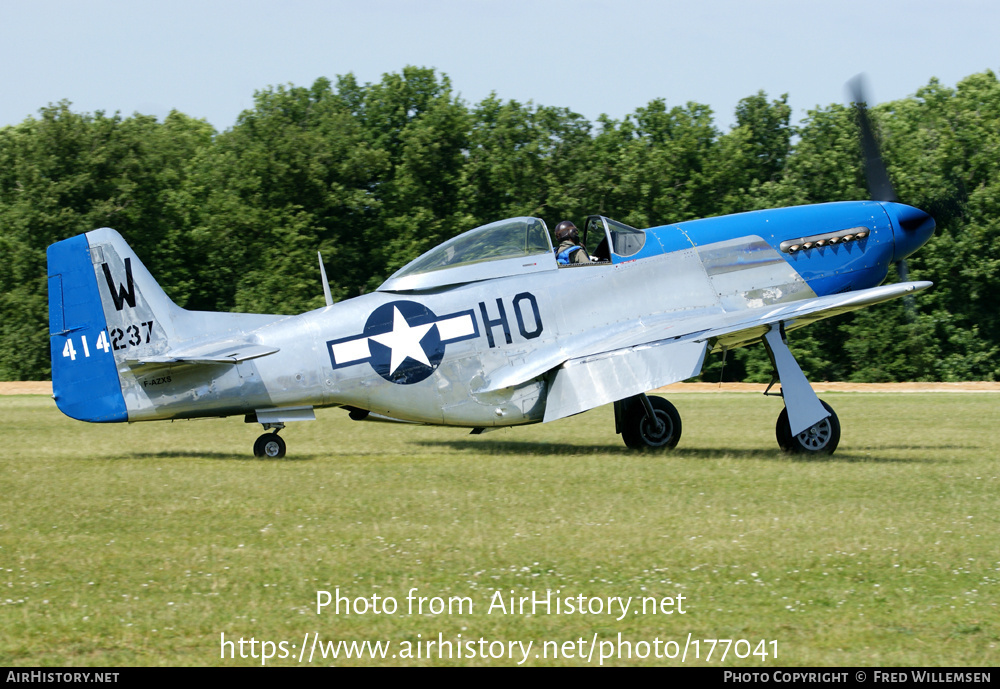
(911, 228)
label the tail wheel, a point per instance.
(269, 445)
(821, 439)
(640, 432)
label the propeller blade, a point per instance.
(879, 184)
(903, 270)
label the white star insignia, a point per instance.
(404, 341)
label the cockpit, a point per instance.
(517, 246)
(616, 241)
(508, 247)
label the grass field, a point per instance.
(142, 545)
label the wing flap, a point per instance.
(588, 382)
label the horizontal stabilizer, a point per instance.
(229, 352)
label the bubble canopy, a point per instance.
(508, 247)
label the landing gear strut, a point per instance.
(648, 423)
(273, 419)
(807, 425)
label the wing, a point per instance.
(596, 368)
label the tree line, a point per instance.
(374, 174)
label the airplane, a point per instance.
(487, 330)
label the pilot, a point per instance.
(570, 250)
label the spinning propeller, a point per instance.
(879, 185)
(915, 226)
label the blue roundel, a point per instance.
(404, 342)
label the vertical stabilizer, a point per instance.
(104, 307)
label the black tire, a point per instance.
(639, 433)
(821, 439)
(269, 445)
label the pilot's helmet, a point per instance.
(567, 230)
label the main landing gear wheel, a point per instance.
(821, 439)
(269, 445)
(640, 432)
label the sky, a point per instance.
(206, 58)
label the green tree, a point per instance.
(294, 176)
(524, 160)
(750, 159)
(65, 173)
(650, 168)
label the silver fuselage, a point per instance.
(484, 330)
(518, 320)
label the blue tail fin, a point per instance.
(85, 380)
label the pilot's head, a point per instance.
(567, 230)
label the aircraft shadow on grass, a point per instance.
(195, 454)
(515, 447)
(534, 448)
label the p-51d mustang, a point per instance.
(487, 330)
